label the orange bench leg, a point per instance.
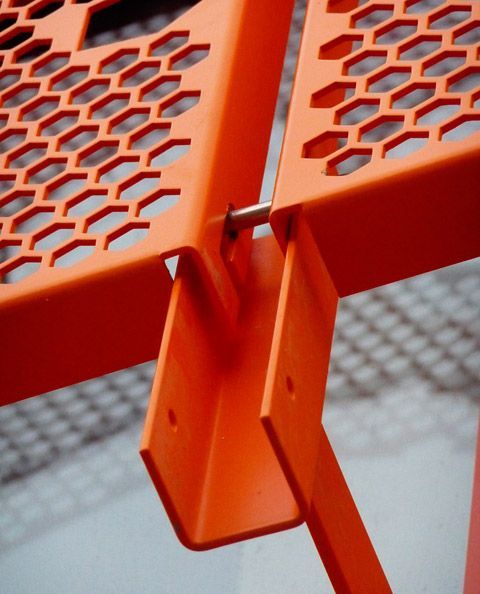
(472, 571)
(339, 533)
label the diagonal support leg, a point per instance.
(472, 572)
(339, 533)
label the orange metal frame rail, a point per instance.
(376, 182)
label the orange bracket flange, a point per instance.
(292, 414)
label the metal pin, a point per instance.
(247, 217)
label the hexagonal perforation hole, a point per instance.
(170, 152)
(75, 252)
(128, 236)
(437, 112)
(465, 80)
(357, 111)
(129, 120)
(109, 106)
(444, 63)
(34, 219)
(324, 145)
(59, 122)
(160, 88)
(8, 78)
(53, 237)
(405, 145)
(107, 219)
(45, 9)
(190, 56)
(31, 51)
(372, 16)
(421, 6)
(98, 153)
(9, 249)
(10, 139)
(179, 104)
(340, 47)
(388, 79)
(170, 43)
(149, 136)
(449, 17)
(15, 38)
(461, 128)
(19, 270)
(364, 63)
(382, 128)
(20, 94)
(420, 47)
(118, 169)
(6, 183)
(395, 32)
(140, 185)
(39, 108)
(66, 186)
(78, 137)
(118, 61)
(16, 202)
(158, 203)
(26, 155)
(332, 95)
(468, 35)
(50, 64)
(46, 170)
(90, 91)
(7, 21)
(348, 162)
(87, 203)
(413, 95)
(70, 77)
(139, 73)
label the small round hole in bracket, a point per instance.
(172, 419)
(290, 387)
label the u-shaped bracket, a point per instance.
(233, 438)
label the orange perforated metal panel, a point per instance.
(114, 158)
(382, 146)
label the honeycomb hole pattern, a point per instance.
(85, 138)
(406, 74)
